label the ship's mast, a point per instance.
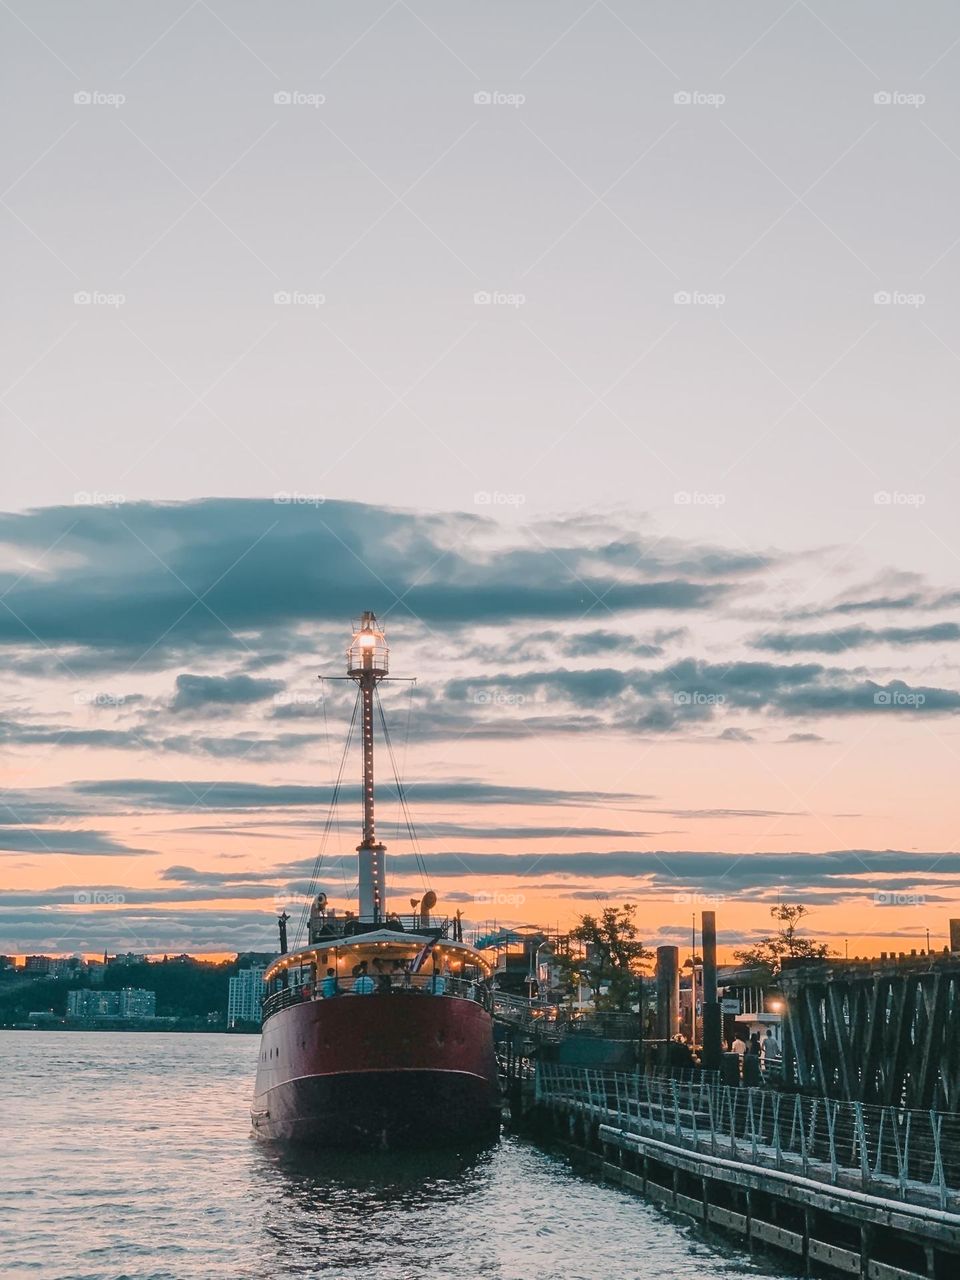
(368, 661)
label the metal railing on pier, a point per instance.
(913, 1156)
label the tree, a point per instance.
(787, 943)
(611, 957)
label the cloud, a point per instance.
(145, 739)
(57, 840)
(203, 692)
(222, 575)
(152, 794)
(690, 691)
(856, 638)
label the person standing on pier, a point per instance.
(770, 1050)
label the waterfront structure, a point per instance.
(884, 1032)
(246, 992)
(378, 1032)
(843, 1188)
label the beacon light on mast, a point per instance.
(368, 661)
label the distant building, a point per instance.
(52, 966)
(132, 1003)
(247, 989)
(127, 958)
(137, 1003)
(89, 1004)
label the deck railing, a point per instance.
(412, 984)
(912, 1156)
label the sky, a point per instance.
(608, 352)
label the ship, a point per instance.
(377, 1030)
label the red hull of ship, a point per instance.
(392, 1070)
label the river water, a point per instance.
(130, 1155)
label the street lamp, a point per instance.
(534, 974)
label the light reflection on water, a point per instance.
(129, 1155)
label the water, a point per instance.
(130, 1156)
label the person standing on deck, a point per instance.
(363, 984)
